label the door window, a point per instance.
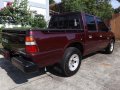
(101, 25)
(90, 21)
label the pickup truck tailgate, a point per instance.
(13, 39)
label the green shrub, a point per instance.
(0, 34)
(20, 14)
(38, 21)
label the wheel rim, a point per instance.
(74, 62)
(111, 46)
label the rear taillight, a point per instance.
(31, 46)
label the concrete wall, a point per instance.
(41, 6)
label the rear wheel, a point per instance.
(110, 47)
(71, 61)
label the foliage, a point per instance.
(100, 8)
(1, 29)
(38, 21)
(51, 1)
(117, 10)
(0, 33)
(19, 13)
(118, 0)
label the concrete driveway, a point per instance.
(97, 72)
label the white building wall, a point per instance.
(41, 6)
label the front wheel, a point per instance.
(110, 47)
(71, 61)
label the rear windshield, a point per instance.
(66, 22)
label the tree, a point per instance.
(19, 13)
(118, 0)
(38, 21)
(101, 8)
(51, 1)
(117, 10)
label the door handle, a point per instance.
(101, 36)
(90, 36)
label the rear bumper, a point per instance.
(24, 65)
(19, 62)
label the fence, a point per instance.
(115, 25)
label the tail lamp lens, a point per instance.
(31, 46)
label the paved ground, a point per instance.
(98, 72)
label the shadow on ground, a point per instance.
(55, 70)
(19, 77)
(15, 74)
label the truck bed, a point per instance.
(14, 39)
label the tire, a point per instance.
(110, 48)
(71, 61)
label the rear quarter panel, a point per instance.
(53, 44)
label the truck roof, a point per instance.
(66, 13)
(70, 13)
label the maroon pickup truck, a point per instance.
(69, 37)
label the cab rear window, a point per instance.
(66, 22)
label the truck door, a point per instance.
(92, 41)
(103, 33)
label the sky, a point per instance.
(58, 1)
(114, 3)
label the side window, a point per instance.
(101, 25)
(75, 22)
(90, 21)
